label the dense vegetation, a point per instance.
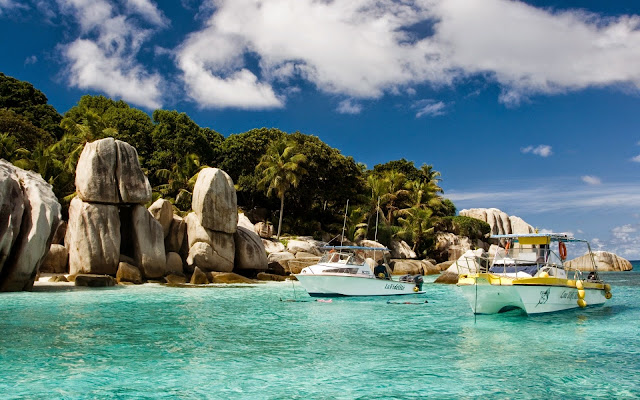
(272, 169)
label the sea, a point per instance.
(273, 341)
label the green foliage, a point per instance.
(242, 152)
(25, 100)
(22, 130)
(466, 226)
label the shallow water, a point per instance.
(244, 342)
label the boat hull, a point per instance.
(486, 298)
(337, 286)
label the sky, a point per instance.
(532, 107)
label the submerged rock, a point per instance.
(263, 276)
(199, 277)
(229, 277)
(90, 280)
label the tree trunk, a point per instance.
(281, 211)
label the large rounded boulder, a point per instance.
(214, 200)
(250, 252)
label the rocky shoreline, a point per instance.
(110, 237)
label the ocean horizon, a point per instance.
(247, 341)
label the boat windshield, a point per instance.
(343, 257)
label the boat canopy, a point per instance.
(539, 238)
(354, 248)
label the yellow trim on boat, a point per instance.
(491, 279)
(534, 239)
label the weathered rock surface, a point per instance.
(174, 264)
(96, 172)
(272, 246)
(450, 246)
(148, 243)
(108, 171)
(199, 277)
(280, 261)
(400, 249)
(177, 234)
(605, 261)
(162, 211)
(175, 279)
(264, 230)
(499, 221)
(61, 231)
(308, 246)
(12, 204)
(250, 253)
(93, 238)
(40, 218)
(214, 201)
(203, 255)
(444, 265)
(91, 280)
(132, 182)
(263, 276)
(228, 277)
(56, 260)
(413, 267)
(245, 222)
(304, 254)
(128, 273)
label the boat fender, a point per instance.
(607, 287)
(579, 285)
(608, 295)
(562, 249)
(543, 274)
(581, 293)
(415, 289)
(582, 303)
(419, 281)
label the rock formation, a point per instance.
(499, 221)
(605, 261)
(29, 217)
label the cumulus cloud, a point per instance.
(430, 108)
(104, 56)
(348, 106)
(542, 150)
(636, 158)
(591, 180)
(364, 49)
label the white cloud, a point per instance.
(636, 158)
(148, 11)
(542, 150)
(31, 60)
(104, 56)
(6, 5)
(591, 180)
(364, 49)
(430, 108)
(348, 106)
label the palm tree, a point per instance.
(416, 224)
(180, 181)
(280, 168)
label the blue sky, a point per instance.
(530, 107)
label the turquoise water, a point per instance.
(243, 342)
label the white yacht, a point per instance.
(530, 275)
(352, 271)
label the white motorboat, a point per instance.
(352, 271)
(528, 274)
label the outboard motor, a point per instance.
(418, 281)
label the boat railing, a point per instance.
(520, 263)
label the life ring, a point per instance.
(562, 249)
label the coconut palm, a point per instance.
(416, 225)
(280, 168)
(180, 181)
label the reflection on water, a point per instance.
(244, 342)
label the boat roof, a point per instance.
(354, 248)
(522, 237)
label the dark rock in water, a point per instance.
(175, 279)
(128, 273)
(263, 276)
(199, 277)
(228, 277)
(447, 277)
(94, 280)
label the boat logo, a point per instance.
(544, 296)
(394, 286)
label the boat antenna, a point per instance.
(375, 237)
(344, 223)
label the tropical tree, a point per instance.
(416, 225)
(280, 169)
(180, 180)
